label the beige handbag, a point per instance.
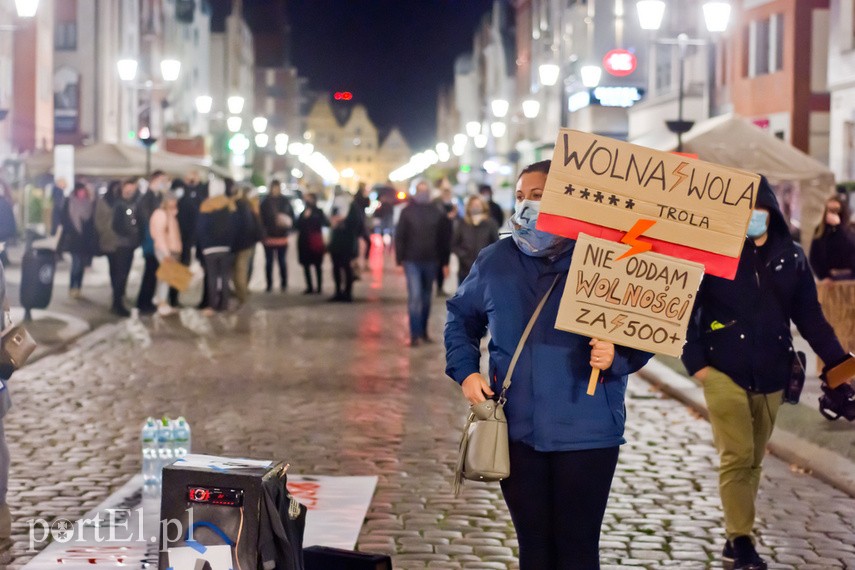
(483, 453)
(16, 346)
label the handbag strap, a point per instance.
(507, 383)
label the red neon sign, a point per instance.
(620, 62)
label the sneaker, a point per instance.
(745, 555)
(165, 310)
(120, 311)
(727, 554)
(74, 293)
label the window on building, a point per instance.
(765, 46)
(65, 36)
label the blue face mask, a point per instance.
(528, 238)
(759, 224)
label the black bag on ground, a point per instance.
(37, 270)
(326, 558)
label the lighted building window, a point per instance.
(65, 36)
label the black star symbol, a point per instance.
(630, 204)
(585, 193)
(569, 189)
(598, 197)
(613, 200)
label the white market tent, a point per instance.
(110, 160)
(801, 181)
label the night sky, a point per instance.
(391, 54)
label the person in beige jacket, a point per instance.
(166, 235)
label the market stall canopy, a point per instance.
(734, 141)
(111, 160)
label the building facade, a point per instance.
(841, 83)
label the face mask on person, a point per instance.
(832, 218)
(759, 224)
(529, 239)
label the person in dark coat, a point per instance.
(344, 245)
(448, 206)
(422, 248)
(495, 210)
(473, 233)
(57, 198)
(832, 252)
(277, 218)
(149, 201)
(123, 236)
(79, 237)
(362, 202)
(216, 238)
(563, 443)
(247, 233)
(191, 193)
(310, 242)
(740, 348)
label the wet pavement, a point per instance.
(333, 389)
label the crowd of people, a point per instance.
(219, 223)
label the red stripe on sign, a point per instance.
(714, 263)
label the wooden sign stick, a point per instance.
(592, 381)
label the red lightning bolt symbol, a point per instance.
(631, 238)
(680, 175)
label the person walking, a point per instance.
(166, 236)
(216, 239)
(362, 202)
(79, 237)
(740, 348)
(149, 201)
(476, 231)
(194, 193)
(446, 204)
(344, 245)
(486, 192)
(310, 242)
(277, 218)
(832, 251)
(563, 443)
(120, 230)
(421, 247)
(247, 234)
(57, 199)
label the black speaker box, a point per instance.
(326, 558)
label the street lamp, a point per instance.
(548, 73)
(127, 69)
(259, 124)
(234, 123)
(235, 104)
(591, 75)
(26, 8)
(498, 129)
(531, 108)
(473, 128)
(170, 69)
(500, 108)
(204, 103)
(650, 14)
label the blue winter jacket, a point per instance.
(547, 407)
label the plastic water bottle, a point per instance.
(150, 459)
(180, 437)
(164, 445)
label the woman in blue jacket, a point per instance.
(563, 443)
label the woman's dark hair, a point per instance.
(542, 167)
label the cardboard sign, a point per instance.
(838, 305)
(643, 301)
(602, 187)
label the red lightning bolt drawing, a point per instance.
(631, 238)
(678, 172)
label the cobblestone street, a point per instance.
(333, 389)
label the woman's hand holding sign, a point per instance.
(602, 356)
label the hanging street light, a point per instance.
(548, 73)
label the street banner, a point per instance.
(838, 304)
(602, 187)
(642, 301)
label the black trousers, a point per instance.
(307, 272)
(186, 253)
(120, 267)
(343, 276)
(148, 283)
(557, 501)
(279, 254)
